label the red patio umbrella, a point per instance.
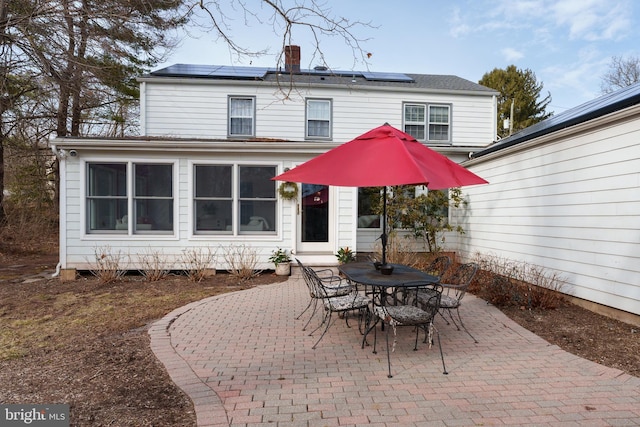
(384, 156)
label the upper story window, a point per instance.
(425, 122)
(108, 201)
(318, 118)
(242, 116)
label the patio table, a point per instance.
(403, 276)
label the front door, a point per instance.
(315, 219)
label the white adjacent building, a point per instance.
(564, 194)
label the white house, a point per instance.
(565, 195)
(213, 136)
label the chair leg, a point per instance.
(465, 328)
(305, 310)
(388, 354)
(326, 328)
(313, 313)
(444, 368)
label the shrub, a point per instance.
(152, 265)
(107, 266)
(197, 262)
(242, 262)
(502, 282)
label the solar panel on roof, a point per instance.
(386, 77)
(239, 72)
(194, 70)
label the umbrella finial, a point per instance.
(386, 124)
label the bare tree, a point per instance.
(83, 56)
(622, 72)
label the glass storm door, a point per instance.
(315, 220)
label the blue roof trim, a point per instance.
(606, 104)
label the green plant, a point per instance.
(425, 216)
(345, 255)
(279, 256)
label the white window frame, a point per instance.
(231, 116)
(426, 124)
(128, 228)
(435, 123)
(308, 118)
(236, 200)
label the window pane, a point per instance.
(257, 215)
(368, 198)
(255, 182)
(107, 179)
(319, 118)
(153, 180)
(154, 214)
(107, 214)
(318, 110)
(213, 181)
(241, 113)
(213, 215)
(317, 128)
(439, 115)
(415, 131)
(414, 113)
(438, 132)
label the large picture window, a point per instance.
(318, 118)
(241, 116)
(108, 200)
(225, 205)
(429, 123)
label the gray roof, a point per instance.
(606, 104)
(323, 76)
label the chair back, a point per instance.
(308, 279)
(460, 280)
(430, 299)
(313, 281)
(439, 266)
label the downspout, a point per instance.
(60, 154)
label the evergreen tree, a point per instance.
(521, 88)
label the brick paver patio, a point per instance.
(244, 361)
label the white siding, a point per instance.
(570, 204)
(79, 247)
(200, 111)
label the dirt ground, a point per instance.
(86, 344)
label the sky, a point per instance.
(568, 44)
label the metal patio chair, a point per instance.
(453, 292)
(335, 286)
(334, 301)
(422, 318)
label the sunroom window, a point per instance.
(111, 208)
(234, 199)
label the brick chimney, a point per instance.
(292, 59)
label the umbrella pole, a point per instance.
(383, 237)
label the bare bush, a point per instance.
(502, 281)
(242, 261)
(399, 251)
(152, 265)
(198, 262)
(107, 266)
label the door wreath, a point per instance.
(288, 190)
